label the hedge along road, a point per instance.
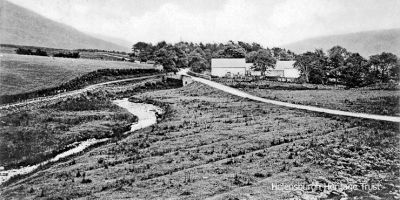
(291, 105)
(74, 92)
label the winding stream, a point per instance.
(146, 114)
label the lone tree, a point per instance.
(336, 59)
(143, 51)
(165, 58)
(355, 70)
(181, 59)
(312, 66)
(263, 60)
(197, 60)
(384, 65)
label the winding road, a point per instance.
(290, 105)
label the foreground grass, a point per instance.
(23, 73)
(30, 136)
(214, 145)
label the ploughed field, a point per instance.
(214, 145)
(24, 73)
(366, 100)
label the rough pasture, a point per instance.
(212, 144)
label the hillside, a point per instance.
(22, 73)
(366, 43)
(21, 26)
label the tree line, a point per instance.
(341, 66)
(198, 56)
(67, 54)
(37, 52)
(40, 52)
(338, 65)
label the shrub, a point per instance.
(67, 55)
(38, 52)
(86, 180)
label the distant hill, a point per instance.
(21, 26)
(118, 41)
(366, 43)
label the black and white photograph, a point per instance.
(200, 99)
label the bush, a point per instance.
(38, 52)
(86, 180)
(67, 55)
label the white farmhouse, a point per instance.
(284, 69)
(228, 67)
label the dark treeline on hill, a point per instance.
(67, 55)
(40, 52)
(337, 66)
(100, 50)
(37, 52)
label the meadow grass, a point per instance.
(23, 73)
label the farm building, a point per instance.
(228, 67)
(283, 69)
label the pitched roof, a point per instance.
(281, 65)
(228, 63)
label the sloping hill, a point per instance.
(21, 26)
(366, 43)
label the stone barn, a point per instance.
(222, 67)
(284, 69)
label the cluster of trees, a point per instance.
(67, 54)
(25, 51)
(337, 65)
(40, 52)
(198, 56)
(341, 66)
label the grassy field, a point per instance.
(22, 73)
(102, 55)
(382, 102)
(214, 145)
(365, 100)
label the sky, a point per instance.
(268, 22)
